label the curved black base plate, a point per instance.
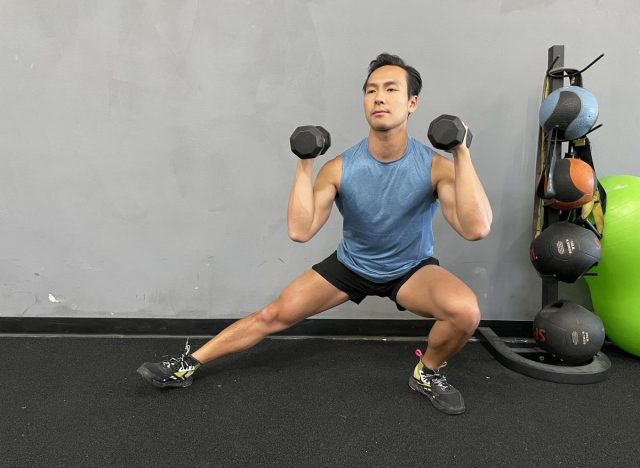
(536, 363)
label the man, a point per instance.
(387, 188)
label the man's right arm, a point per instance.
(310, 204)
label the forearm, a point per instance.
(301, 203)
(472, 205)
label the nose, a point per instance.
(379, 98)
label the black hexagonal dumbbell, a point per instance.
(447, 131)
(327, 139)
(309, 141)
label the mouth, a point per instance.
(377, 113)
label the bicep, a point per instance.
(443, 178)
(325, 190)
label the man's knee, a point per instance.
(464, 313)
(273, 317)
(268, 315)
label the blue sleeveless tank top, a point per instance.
(387, 211)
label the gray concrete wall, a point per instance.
(144, 144)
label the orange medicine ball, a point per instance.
(575, 184)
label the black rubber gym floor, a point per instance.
(73, 401)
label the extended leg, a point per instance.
(308, 295)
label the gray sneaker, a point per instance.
(434, 385)
(175, 371)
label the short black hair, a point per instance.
(414, 81)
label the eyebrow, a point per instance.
(386, 83)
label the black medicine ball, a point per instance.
(569, 331)
(565, 251)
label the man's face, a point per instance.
(386, 104)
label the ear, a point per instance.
(413, 104)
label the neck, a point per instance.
(388, 145)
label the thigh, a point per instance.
(432, 291)
(307, 295)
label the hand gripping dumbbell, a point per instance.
(309, 141)
(447, 131)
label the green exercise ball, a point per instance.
(621, 320)
(615, 291)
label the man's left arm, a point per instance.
(462, 197)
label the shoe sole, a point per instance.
(416, 387)
(150, 377)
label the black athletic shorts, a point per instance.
(358, 287)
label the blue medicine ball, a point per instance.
(573, 109)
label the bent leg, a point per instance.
(434, 292)
(306, 296)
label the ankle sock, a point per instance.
(193, 361)
(428, 370)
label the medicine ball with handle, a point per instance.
(565, 251)
(568, 331)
